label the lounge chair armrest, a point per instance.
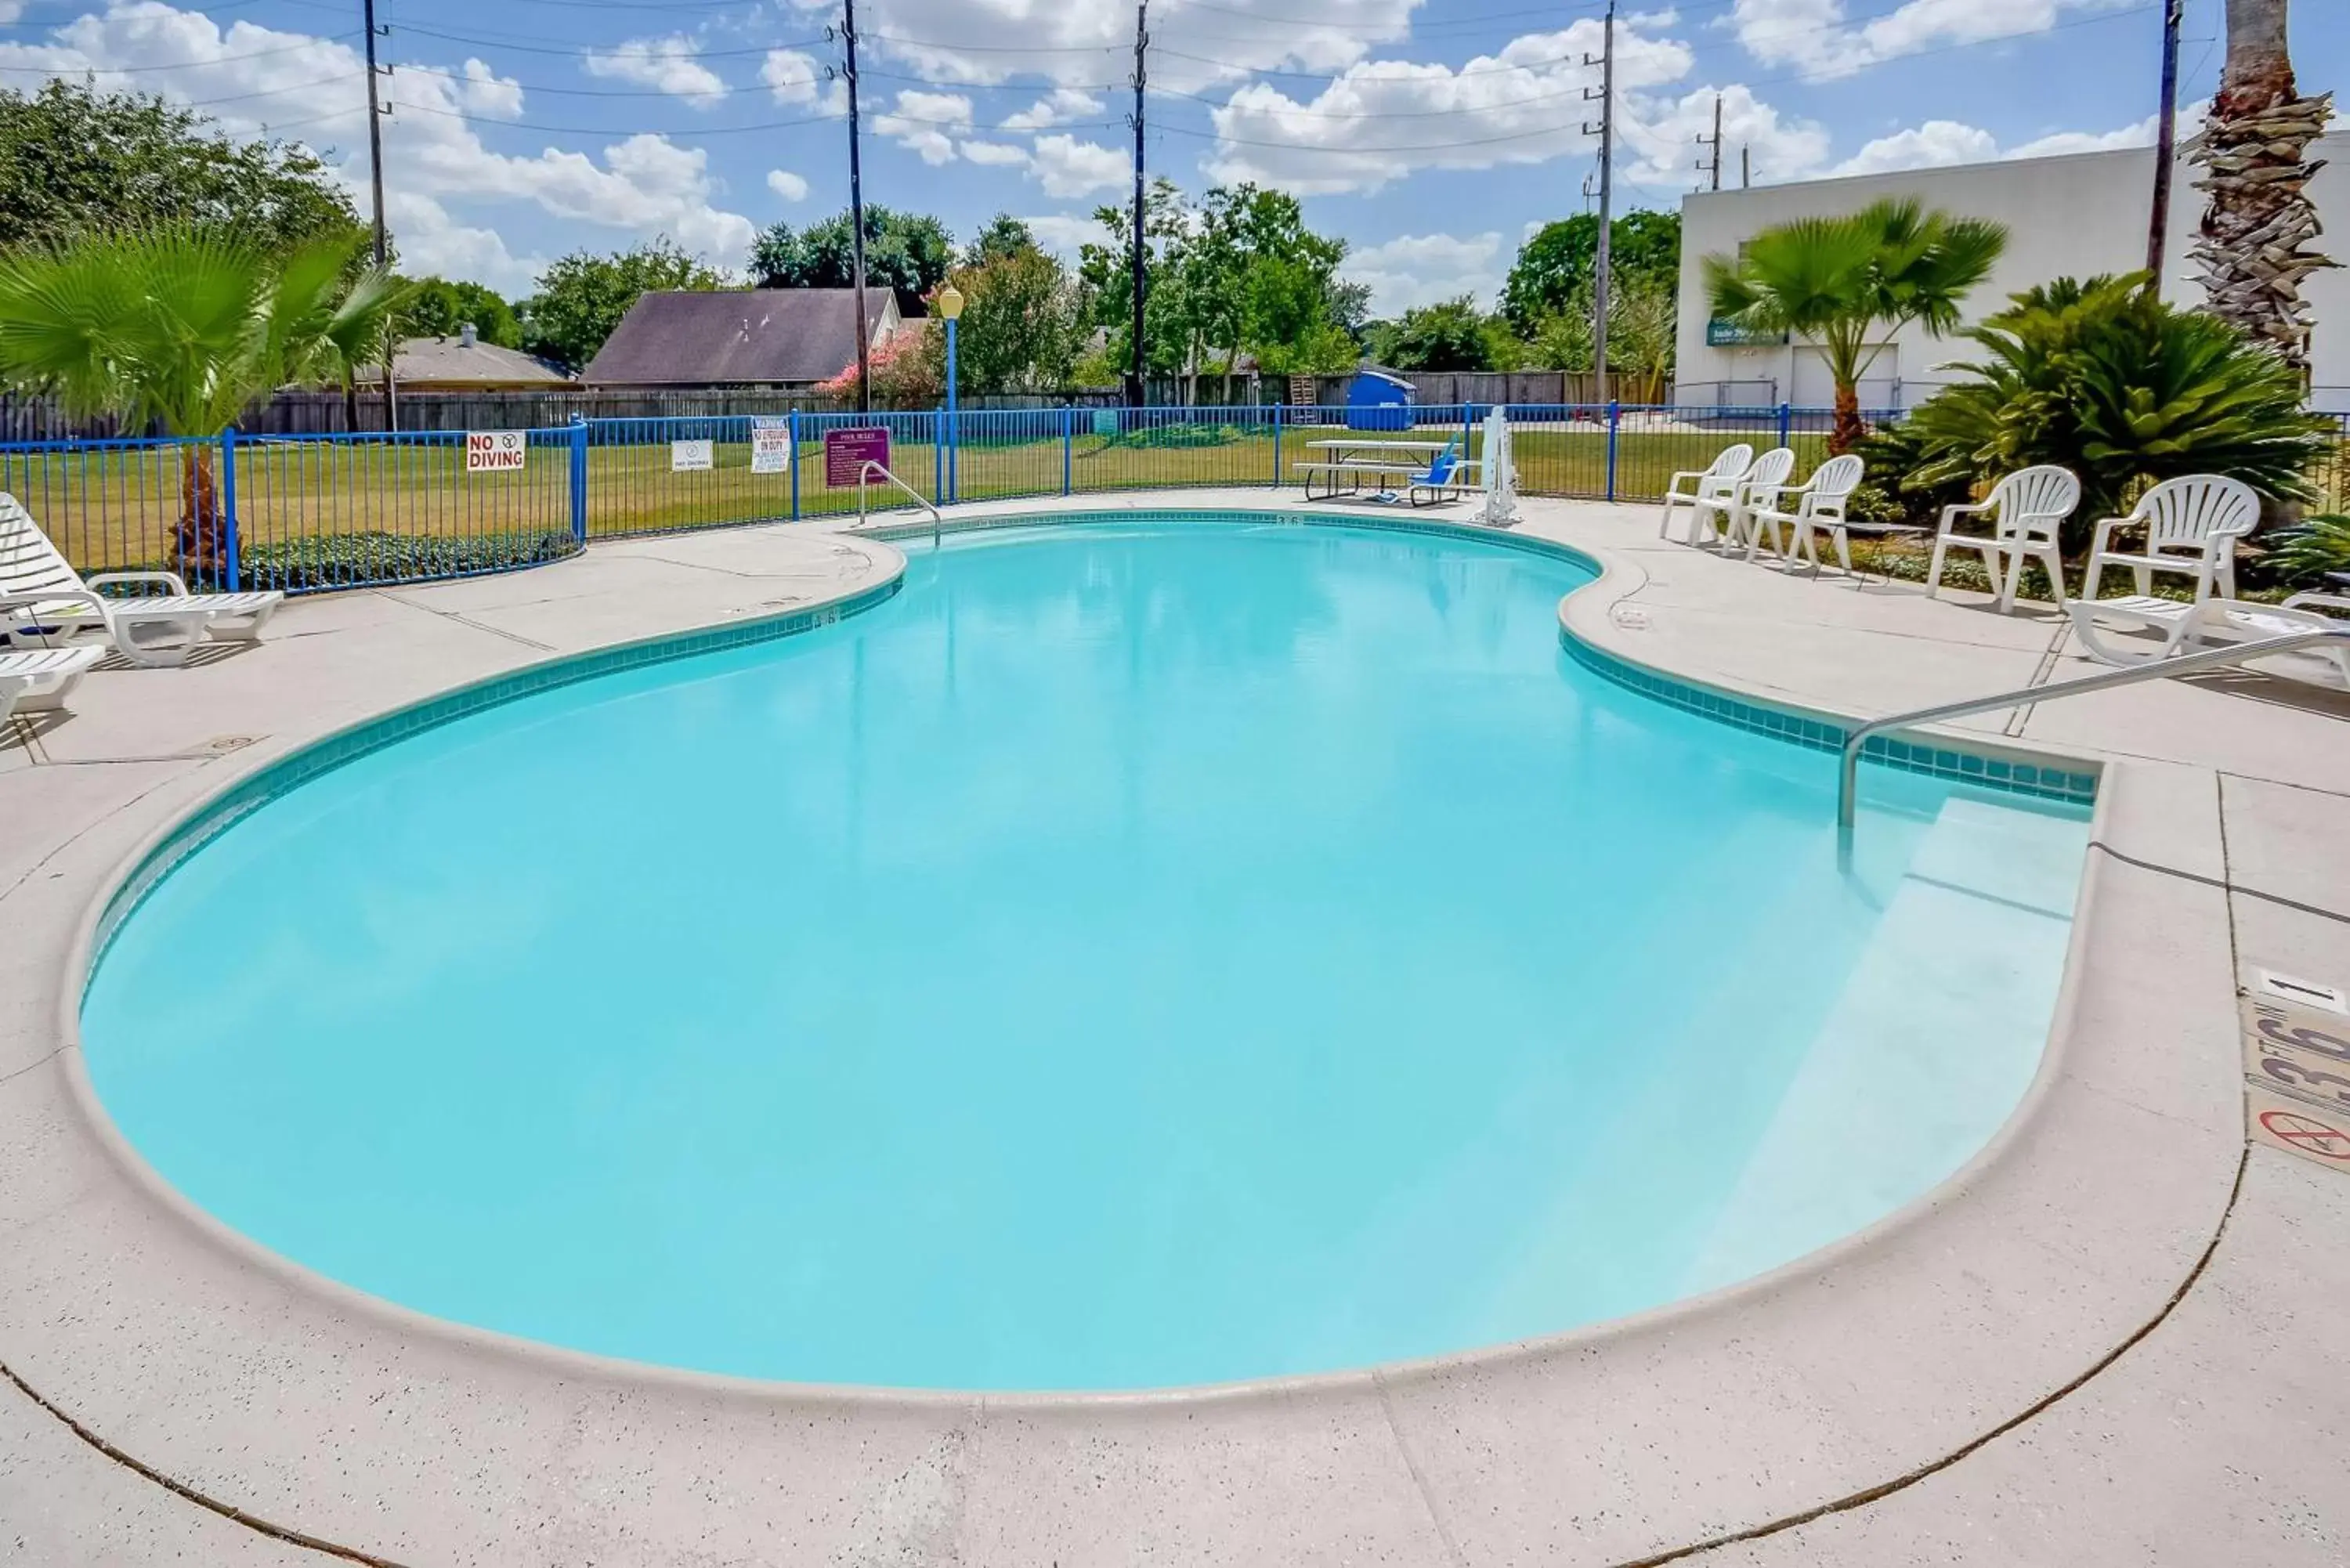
(171, 580)
(50, 597)
(2318, 601)
(1958, 508)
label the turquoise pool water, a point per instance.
(1132, 956)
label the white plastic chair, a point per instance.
(2184, 628)
(1728, 513)
(44, 603)
(2192, 526)
(1820, 502)
(39, 679)
(1716, 481)
(2032, 504)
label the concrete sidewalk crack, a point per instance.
(1436, 1517)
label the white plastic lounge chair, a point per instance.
(2032, 504)
(44, 603)
(2185, 627)
(1820, 501)
(1730, 512)
(2192, 526)
(38, 678)
(1715, 482)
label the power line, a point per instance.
(89, 65)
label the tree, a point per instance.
(1561, 257)
(582, 297)
(74, 159)
(1004, 235)
(438, 307)
(904, 251)
(2104, 378)
(1844, 280)
(1024, 324)
(1447, 336)
(1285, 319)
(182, 327)
(908, 372)
(2258, 219)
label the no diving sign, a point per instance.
(495, 451)
(2298, 1127)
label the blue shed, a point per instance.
(1379, 401)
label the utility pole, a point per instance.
(375, 178)
(1134, 382)
(1606, 132)
(2166, 143)
(1712, 167)
(1743, 178)
(856, 212)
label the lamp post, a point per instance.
(949, 301)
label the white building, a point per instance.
(2071, 216)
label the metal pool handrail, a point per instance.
(2186, 664)
(865, 473)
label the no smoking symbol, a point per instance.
(2308, 1134)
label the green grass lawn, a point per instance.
(117, 510)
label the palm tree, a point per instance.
(1845, 280)
(2258, 219)
(182, 327)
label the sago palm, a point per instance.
(1845, 281)
(2258, 219)
(183, 328)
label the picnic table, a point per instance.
(1355, 459)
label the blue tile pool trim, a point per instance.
(296, 768)
(2040, 780)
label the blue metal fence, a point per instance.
(312, 513)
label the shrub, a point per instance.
(333, 560)
(2105, 379)
(2309, 551)
(1898, 488)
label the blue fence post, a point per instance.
(938, 456)
(1068, 444)
(1615, 427)
(1786, 422)
(1277, 423)
(229, 551)
(792, 424)
(579, 478)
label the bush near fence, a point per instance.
(323, 512)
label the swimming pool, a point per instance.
(1134, 955)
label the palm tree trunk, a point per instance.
(199, 542)
(2258, 218)
(1848, 431)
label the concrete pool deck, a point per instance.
(2116, 1337)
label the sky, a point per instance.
(1433, 135)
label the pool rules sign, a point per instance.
(495, 451)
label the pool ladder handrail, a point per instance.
(2152, 670)
(865, 473)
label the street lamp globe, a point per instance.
(948, 302)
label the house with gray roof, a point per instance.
(463, 363)
(787, 338)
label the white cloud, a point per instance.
(1073, 43)
(996, 153)
(1056, 108)
(1420, 269)
(1069, 168)
(787, 185)
(794, 78)
(1935, 144)
(670, 65)
(251, 77)
(1816, 38)
(1064, 234)
(1382, 120)
(922, 121)
(1658, 135)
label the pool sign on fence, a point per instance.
(691, 456)
(847, 451)
(494, 452)
(771, 444)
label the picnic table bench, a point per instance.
(1415, 461)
